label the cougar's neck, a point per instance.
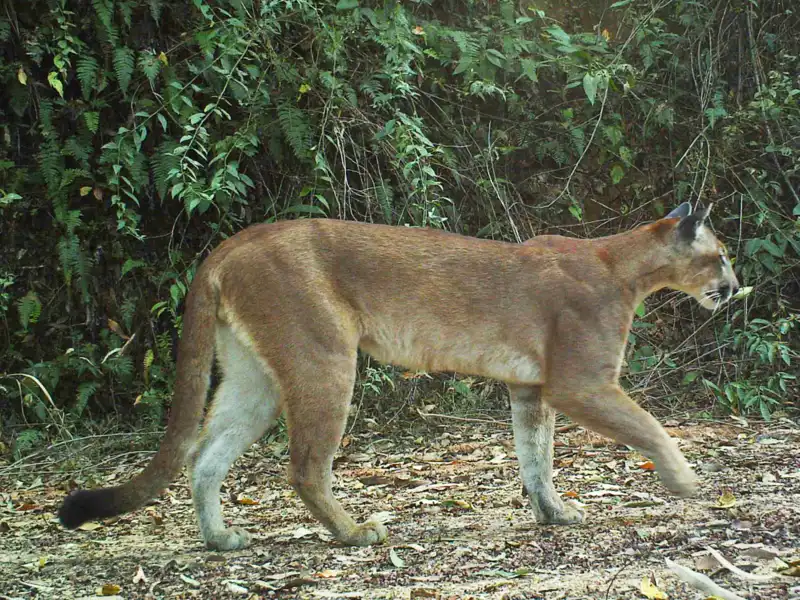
(642, 258)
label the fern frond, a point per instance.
(296, 128)
(385, 194)
(87, 69)
(126, 10)
(163, 162)
(85, 391)
(29, 308)
(104, 9)
(68, 250)
(51, 162)
(77, 150)
(124, 61)
(155, 9)
(150, 66)
(121, 366)
(127, 309)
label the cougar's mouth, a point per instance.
(715, 298)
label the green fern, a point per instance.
(127, 311)
(150, 66)
(121, 366)
(70, 176)
(68, 253)
(30, 309)
(87, 69)
(163, 163)
(468, 48)
(126, 10)
(384, 194)
(51, 163)
(85, 391)
(123, 66)
(296, 128)
(92, 119)
(156, 7)
(26, 441)
(5, 30)
(104, 9)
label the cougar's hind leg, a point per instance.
(534, 425)
(245, 405)
(316, 414)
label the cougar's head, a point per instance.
(704, 270)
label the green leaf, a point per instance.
(308, 209)
(640, 310)
(495, 57)
(55, 83)
(346, 4)
(590, 86)
(559, 34)
(617, 173)
(690, 377)
(620, 4)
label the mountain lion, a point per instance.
(289, 304)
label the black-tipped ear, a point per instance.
(682, 211)
(703, 212)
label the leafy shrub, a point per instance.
(137, 134)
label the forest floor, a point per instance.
(458, 528)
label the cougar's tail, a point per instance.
(195, 356)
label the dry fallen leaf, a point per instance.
(793, 571)
(90, 526)
(726, 500)
(236, 588)
(396, 560)
(109, 589)
(649, 589)
(246, 501)
(570, 494)
(648, 466)
(423, 593)
(301, 532)
(456, 503)
(189, 580)
(327, 574)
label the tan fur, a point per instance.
(296, 300)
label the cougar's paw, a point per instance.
(367, 533)
(681, 482)
(551, 510)
(233, 538)
(684, 487)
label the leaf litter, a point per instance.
(459, 525)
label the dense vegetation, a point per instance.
(137, 134)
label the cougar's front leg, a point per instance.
(534, 424)
(606, 409)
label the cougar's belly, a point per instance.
(469, 353)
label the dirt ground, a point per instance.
(458, 524)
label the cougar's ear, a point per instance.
(684, 210)
(688, 226)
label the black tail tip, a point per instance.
(86, 505)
